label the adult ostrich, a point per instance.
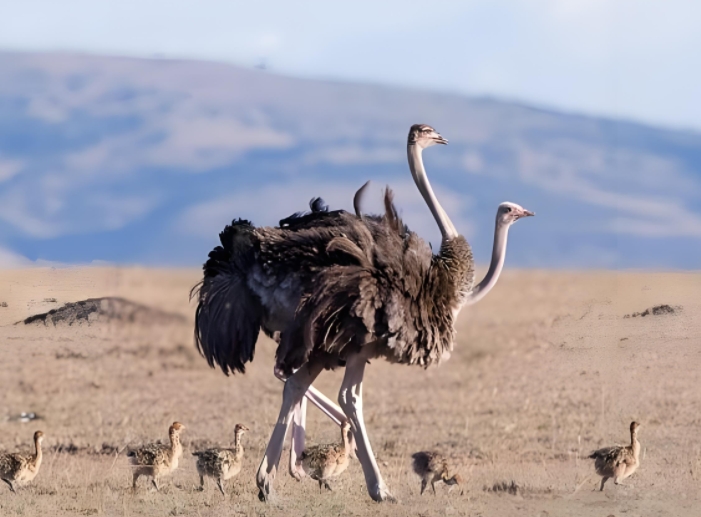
(336, 289)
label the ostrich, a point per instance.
(336, 289)
(221, 463)
(432, 466)
(157, 459)
(18, 468)
(327, 461)
(618, 462)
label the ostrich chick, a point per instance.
(19, 469)
(220, 463)
(432, 466)
(325, 462)
(157, 459)
(618, 462)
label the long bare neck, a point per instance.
(38, 454)
(634, 443)
(501, 232)
(416, 165)
(174, 441)
(237, 443)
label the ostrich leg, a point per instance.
(351, 399)
(292, 394)
(327, 407)
(299, 424)
(320, 400)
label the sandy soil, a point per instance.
(545, 369)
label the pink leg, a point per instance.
(292, 394)
(351, 399)
(299, 425)
(320, 400)
(327, 407)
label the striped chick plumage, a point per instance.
(21, 468)
(432, 466)
(328, 461)
(157, 459)
(618, 462)
(221, 463)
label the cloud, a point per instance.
(355, 155)
(9, 259)
(640, 49)
(266, 205)
(681, 226)
(10, 168)
(45, 212)
(192, 143)
(473, 162)
(654, 217)
(199, 143)
(635, 213)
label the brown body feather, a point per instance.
(18, 468)
(328, 283)
(157, 459)
(618, 462)
(432, 466)
(327, 461)
(221, 463)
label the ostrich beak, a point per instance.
(440, 140)
(527, 213)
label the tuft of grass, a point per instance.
(506, 487)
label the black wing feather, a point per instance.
(228, 315)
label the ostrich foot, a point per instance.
(382, 495)
(297, 472)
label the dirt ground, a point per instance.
(545, 369)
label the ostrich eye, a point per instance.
(508, 209)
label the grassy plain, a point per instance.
(545, 369)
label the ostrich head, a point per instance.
(509, 213)
(176, 428)
(634, 427)
(424, 136)
(240, 429)
(38, 437)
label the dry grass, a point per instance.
(545, 370)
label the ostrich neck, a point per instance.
(635, 444)
(38, 455)
(416, 165)
(501, 232)
(237, 444)
(174, 442)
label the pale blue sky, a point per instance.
(625, 58)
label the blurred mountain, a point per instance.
(145, 161)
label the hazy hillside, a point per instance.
(128, 160)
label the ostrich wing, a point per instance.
(228, 316)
